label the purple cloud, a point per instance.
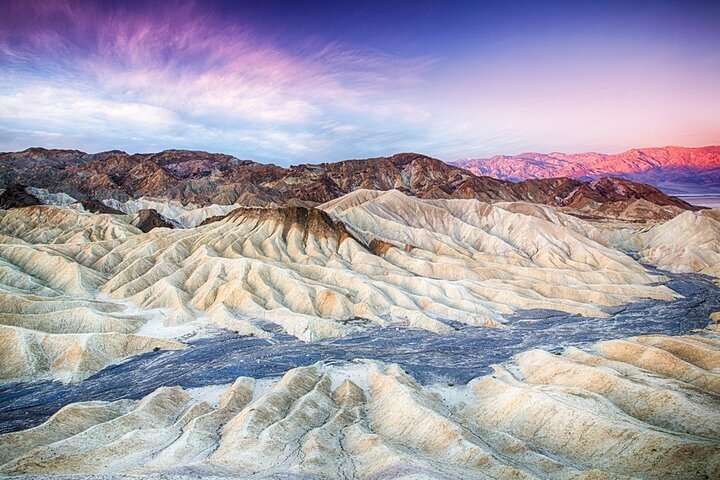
(462, 80)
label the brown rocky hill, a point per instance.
(205, 178)
(16, 196)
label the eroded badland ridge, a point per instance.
(113, 260)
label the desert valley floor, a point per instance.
(332, 323)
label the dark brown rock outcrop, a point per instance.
(98, 207)
(15, 196)
(148, 219)
(310, 221)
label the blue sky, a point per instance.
(296, 82)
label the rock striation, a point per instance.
(644, 407)
(310, 270)
(52, 323)
(689, 242)
(370, 258)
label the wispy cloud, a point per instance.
(142, 75)
(84, 68)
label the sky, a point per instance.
(313, 81)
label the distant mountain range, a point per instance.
(675, 170)
(205, 178)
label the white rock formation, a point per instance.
(402, 259)
(689, 242)
(48, 198)
(57, 225)
(644, 407)
(184, 215)
(52, 323)
(379, 256)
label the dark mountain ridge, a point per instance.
(205, 178)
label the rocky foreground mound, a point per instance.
(644, 407)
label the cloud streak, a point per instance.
(454, 81)
(87, 69)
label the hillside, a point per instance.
(674, 169)
(204, 179)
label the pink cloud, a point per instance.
(199, 65)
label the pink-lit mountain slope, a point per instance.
(673, 169)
